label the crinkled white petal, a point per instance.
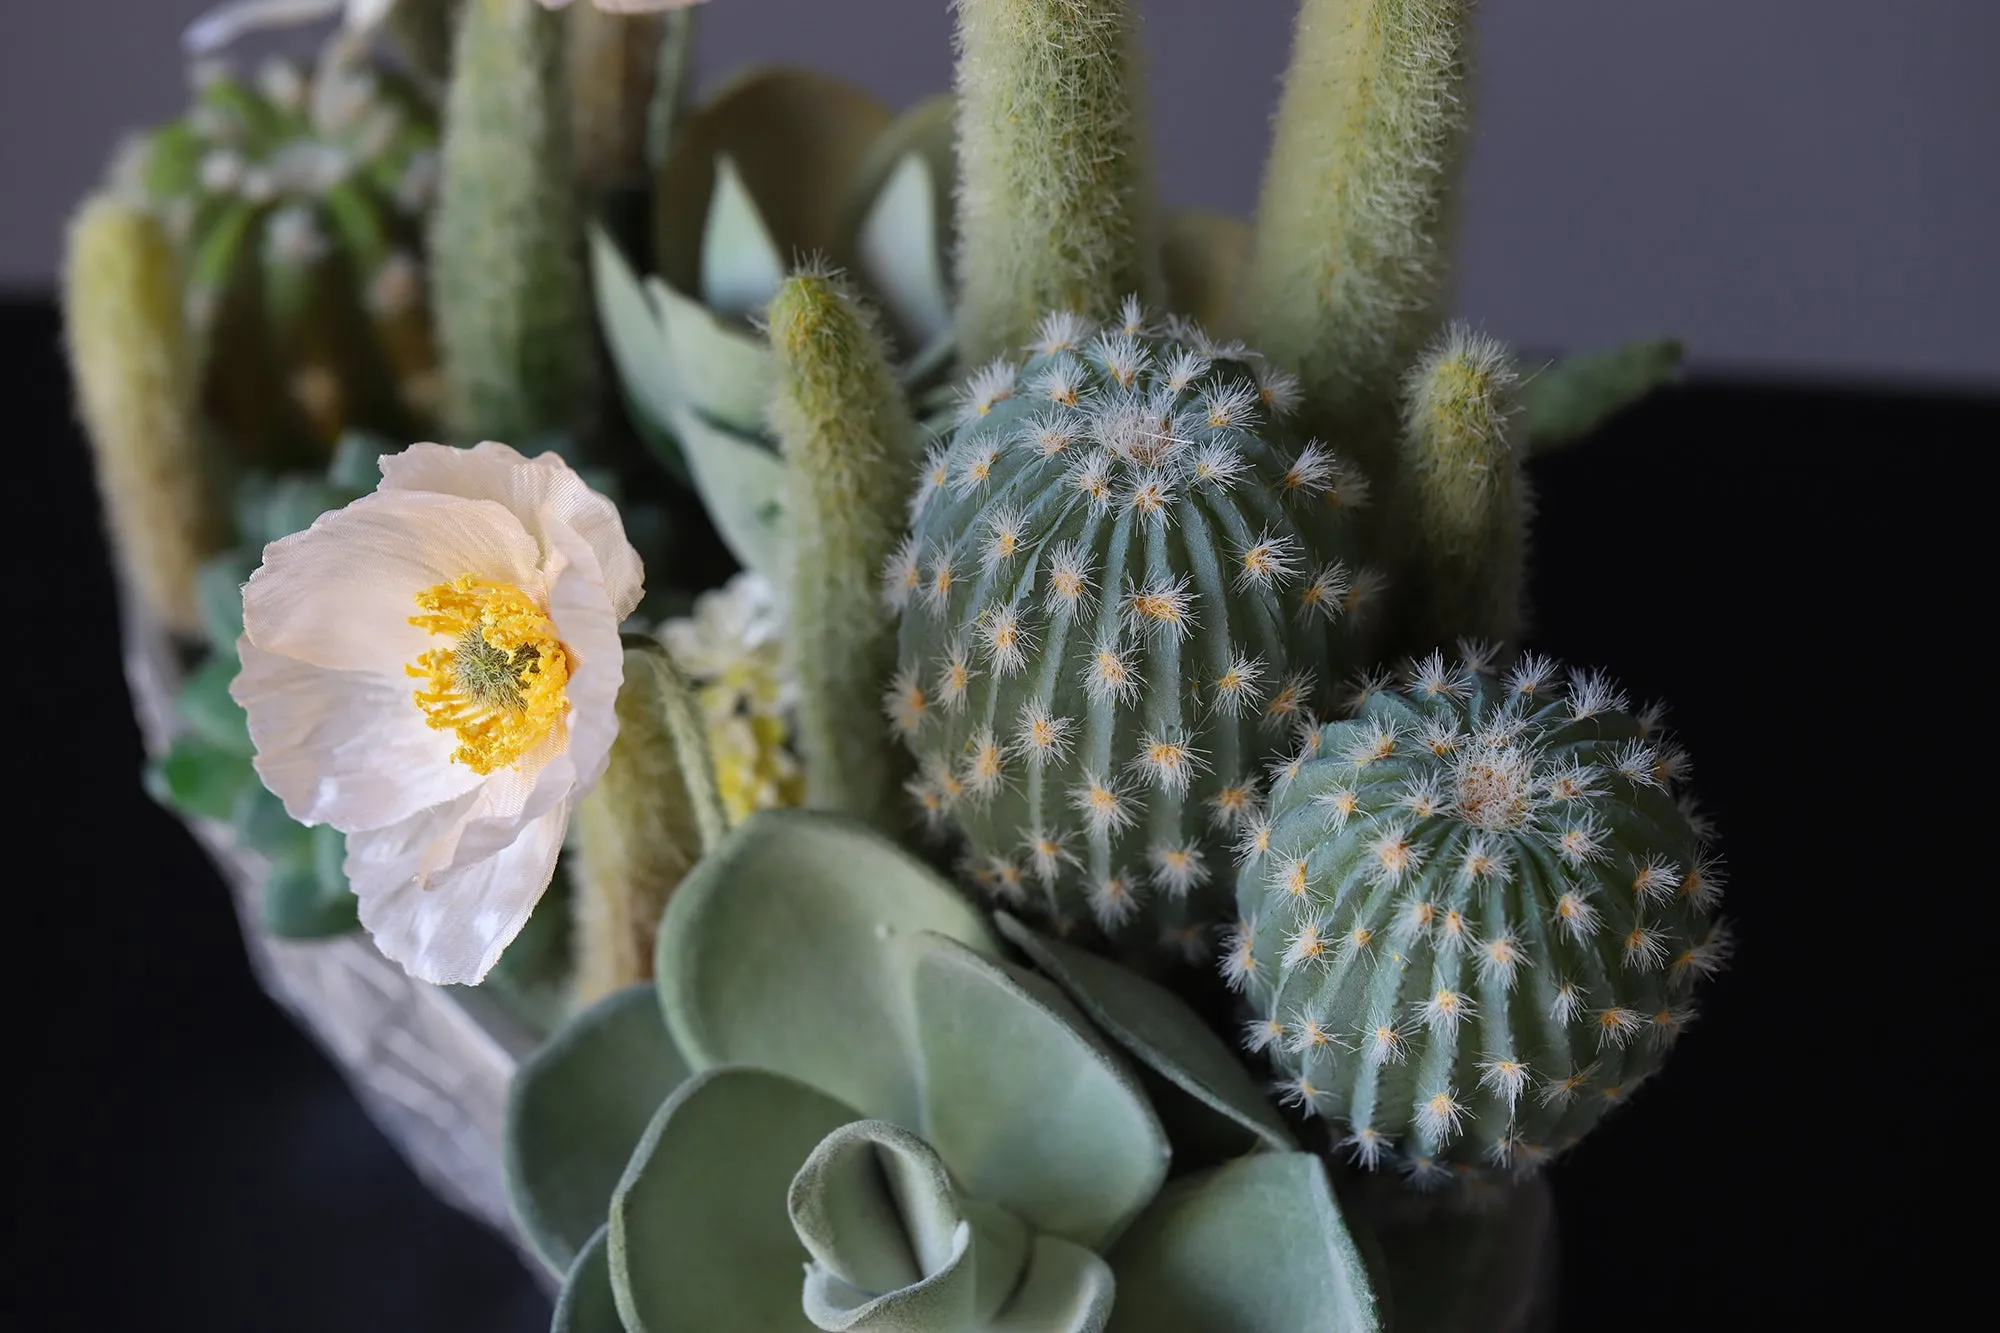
(340, 594)
(542, 491)
(450, 926)
(346, 748)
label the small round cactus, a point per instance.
(297, 200)
(1125, 583)
(1473, 915)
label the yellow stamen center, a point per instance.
(500, 686)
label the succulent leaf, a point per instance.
(781, 950)
(1478, 919)
(1158, 1029)
(701, 1236)
(1254, 1246)
(575, 1111)
(1067, 1289)
(587, 1303)
(1573, 398)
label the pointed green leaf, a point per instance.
(782, 950)
(576, 1109)
(742, 485)
(741, 266)
(720, 369)
(1067, 1290)
(700, 1237)
(204, 704)
(1254, 1246)
(901, 256)
(196, 777)
(1569, 400)
(1024, 1105)
(586, 1303)
(632, 330)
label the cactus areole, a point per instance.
(1125, 585)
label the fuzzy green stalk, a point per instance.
(1055, 200)
(641, 829)
(511, 297)
(133, 364)
(1462, 494)
(612, 62)
(848, 437)
(1349, 263)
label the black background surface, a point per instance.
(1785, 565)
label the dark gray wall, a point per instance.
(1793, 185)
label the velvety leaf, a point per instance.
(1160, 1030)
(740, 263)
(901, 255)
(586, 1303)
(576, 1109)
(633, 331)
(1024, 1105)
(782, 949)
(720, 369)
(1067, 1290)
(700, 1237)
(204, 704)
(875, 1207)
(742, 485)
(1254, 1246)
(1569, 400)
(196, 777)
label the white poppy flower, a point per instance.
(225, 23)
(434, 670)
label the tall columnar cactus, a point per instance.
(1349, 256)
(1473, 917)
(1055, 198)
(1126, 584)
(849, 440)
(512, 301)
(298, 202)
(1463, 495)
(654, 813)
(135, 382)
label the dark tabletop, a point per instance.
(1785, 565)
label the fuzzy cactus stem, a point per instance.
(134, 368)
(511, 296)
(1055, 199)
(848, 438)
(1463, 494)
(1348, 269)
(641, 829)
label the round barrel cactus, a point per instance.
(1473, 915)
(297, 199)
(1125, 585)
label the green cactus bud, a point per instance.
(1463, 495)
(848, 438)
(509, 288)
(1349, 259)
(297, 202)
(134, 371)
(654, 814)
(1472, 920)
(1126, 583)
(1055, 204)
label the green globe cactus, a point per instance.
(1125, 585)
(1473, 917)
(297, 201)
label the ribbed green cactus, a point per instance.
(1473, 917)
(129, 354)
(510, 291)
(1349, 257)
(1055, 201)
(653, 814)
(1463, 495)
(1127, 582)
(849, 440)
(297, 201)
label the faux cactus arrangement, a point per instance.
(1210, 913)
